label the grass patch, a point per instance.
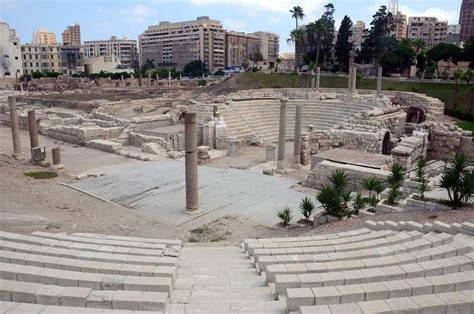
(444, 92)
(41, 174)
(468, 126)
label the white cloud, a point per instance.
(445, 15)
(280, 6)
(139, 13)
(235, 25)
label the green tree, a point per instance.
(376, 38)
(448, 53)
(148, 65)
(343, 46)
(297, 13)
(399, 55)
(468, 51)
(467, 76)
(457, 77)
(255, 56)
(298, 39)
(195, 68)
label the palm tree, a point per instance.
(297, 38)
(297, 14)
(317, 31)
(278, 61)
(418, 44)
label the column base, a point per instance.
(58, 166)
(192, 211)
(281, 165)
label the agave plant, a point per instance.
(333, 198)
(359, 202)
(373, 184)
(285, 215)
(306, 207)
(458, 181)
(396, 174)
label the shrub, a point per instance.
(415, 89)
(395, 180)
(202, 83)
(421, 176)
(306, 207)
(372, 184)
(458, 181)
(333, 198)
(359, 202)
(285, 215)
(466, 116)
(41, 174)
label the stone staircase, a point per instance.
(88, 273)
(389, 268)
(260, 117)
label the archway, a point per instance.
(415, 115)
(386, 145)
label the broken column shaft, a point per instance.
(33, 128)
(56, 152)
(318, 78)
(379, 81)
(191, 162)
(14, 125)
(282, 135)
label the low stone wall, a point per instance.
(413, 204)
(29, 100)
(137, 140)
(80, 135)
(319, 176)
(150, 122)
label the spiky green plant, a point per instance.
(396, 174)
(339, 180)
(458, 181)
(372, 184)
(359, 202)
(306, 207)
(333, 198)
(285, 215)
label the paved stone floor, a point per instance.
(220, 280)
(158, 189)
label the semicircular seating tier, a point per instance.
(259, 118)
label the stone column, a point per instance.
(354, 79)
(297, 141)
(318, 78)
(313, 82)
(56, 153)
(191, 162)
(149, 79)
(349, 81)
(379, 81)
(282, 134)
(14, 125)
(140, 80)
(33, 128)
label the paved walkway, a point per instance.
(220, 280)
(157, 189)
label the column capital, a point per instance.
(283, 100)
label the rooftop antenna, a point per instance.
(393, 7)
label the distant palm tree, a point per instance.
(297, 38)
(418, 44)
(297, 14)
(317, 30)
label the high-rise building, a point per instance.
(466, 20)
(125, 49)
(400, 22)
(72, 35)
(42, 58)
(238, 48)
(454, 34)
(72, 59)
(357, 35)
(10, 55)
(269, 45)
(177, 44)
(428, 29)
(43, 37)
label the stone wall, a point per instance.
(411, 149)
(318, 177)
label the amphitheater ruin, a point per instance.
(257, 150)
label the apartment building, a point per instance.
(10, 54)
(72, 35)
(125, 49)
(454, 34)
(429, 29)
(357, 35)
(176, 44)
(466, 20)
(269, 45)
(238, 48)
(43, 37)
(72, 59)
(401, 27)
(43, 58)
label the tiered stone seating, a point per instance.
(405, 270)
(60, 273)
(260, 117)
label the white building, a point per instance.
(125, 49)
(429, 29)
(269, 44)
(357, 35)
(10, 53)
(109, 64)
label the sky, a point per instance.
(100, 19)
